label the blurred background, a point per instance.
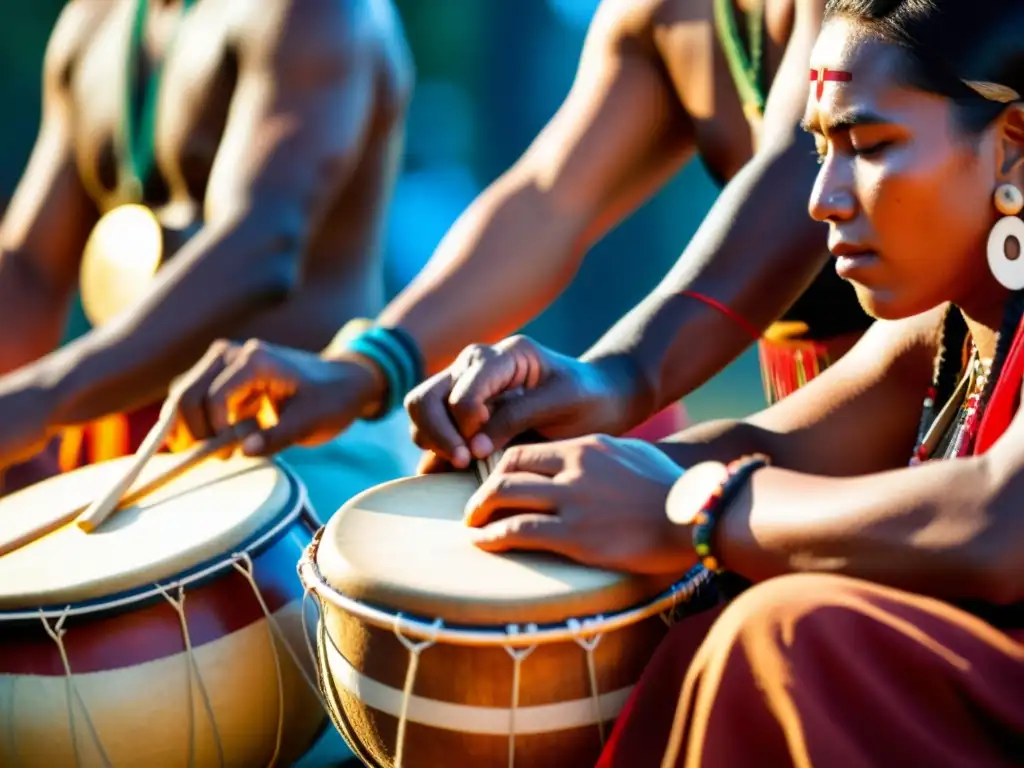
(478, 104)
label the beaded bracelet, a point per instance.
(706, 519)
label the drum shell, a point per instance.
(552, 673)
(132, 671)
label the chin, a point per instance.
(886, 304)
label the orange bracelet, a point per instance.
(729, 312)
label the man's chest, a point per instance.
(703, 58)
(182, 76)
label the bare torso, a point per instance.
(341, 263)
(688, 44)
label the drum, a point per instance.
(170, 636)
(434, 653)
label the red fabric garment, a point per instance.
(826, 671)
(1005, 400)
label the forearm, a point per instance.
(924, 529)
(221, 277)
(678, 342)
(504, 261)
(722, 440)
(32, 314)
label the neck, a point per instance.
(983, 332)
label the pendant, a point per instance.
(121, 257)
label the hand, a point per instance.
(597, 500)
(26, 411)
(491, 394)
(298, 397)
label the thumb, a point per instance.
(295, 422)
(534, 409)
(531, 532)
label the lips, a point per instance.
(851, 259)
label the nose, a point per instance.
(832, 198)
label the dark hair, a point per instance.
(946, 42)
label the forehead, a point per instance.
(870, 70)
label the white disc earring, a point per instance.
(1009, 272)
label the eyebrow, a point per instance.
(844, 121)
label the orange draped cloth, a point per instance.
(108, 438)
(820, 670)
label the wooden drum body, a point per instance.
(170, 636)
(435, 653)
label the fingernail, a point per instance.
(482, 446)
(461, 457)
(253, 444)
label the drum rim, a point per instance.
(510, 636)
(260, 541)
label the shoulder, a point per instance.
(74, 27)
(291, 33)
(634, 21)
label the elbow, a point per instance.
(999, 573)
(273, 243)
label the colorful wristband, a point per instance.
(395, 352)
(706, 520)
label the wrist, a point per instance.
(372, 386)
(626, 396)
(389, 355)
(700, 499)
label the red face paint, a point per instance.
(823, 75)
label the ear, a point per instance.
(1011, 144)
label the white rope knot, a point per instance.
(589, 644)
(414, 649)
(518, 655)
(192, 671)
(71, 692)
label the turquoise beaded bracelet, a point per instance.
(398, 357)
(737, 473)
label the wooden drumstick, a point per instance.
(103, 507)
(181, 463)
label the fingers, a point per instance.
(238, 390)
(531, 532)
(433, 428)
(543, 459)
(432, 464)
(193, 387)
(555, 403)
(502, 493)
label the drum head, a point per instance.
(201, 515)
(403, 546)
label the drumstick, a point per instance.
(102, 508)
(182, 462)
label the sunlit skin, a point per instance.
(907, 195)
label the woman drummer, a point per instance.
(886, 621)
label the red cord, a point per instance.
(732, 314)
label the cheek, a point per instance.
(925, 208)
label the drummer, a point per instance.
(265, 168)
(885, 626)
(650, 90)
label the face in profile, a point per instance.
(905, 190)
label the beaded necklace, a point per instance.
(950, 433)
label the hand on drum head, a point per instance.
(298, 397)
(491, 394)
(597, 500)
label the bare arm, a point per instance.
(756, 251)
(620, 134)
(840, 498)
(50, 215)
(295, 128)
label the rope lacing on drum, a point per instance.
(192, 669)
(518, 655)
(56, 633)
(415, 649)
(589, 644)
